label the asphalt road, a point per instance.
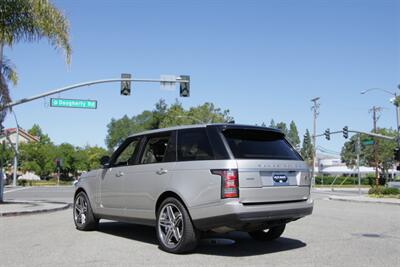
(337, 234)
(50, 193)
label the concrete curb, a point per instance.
(29, 212)
(373, 201)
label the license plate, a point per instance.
(280, 179)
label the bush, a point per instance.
(390, 191)
(375, 191)
(384, 191)
(349, 181)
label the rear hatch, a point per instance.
(269, 168)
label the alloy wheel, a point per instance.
(170, 225)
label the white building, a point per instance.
(333, 166)
(23, 136)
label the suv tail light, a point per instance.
(229, 182)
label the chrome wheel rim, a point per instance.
(170, 225)
(80, 210)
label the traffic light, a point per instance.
(328, 134)
(184, 87)
(306, 139)
(126, 85)
(396, 154)
(346, 132)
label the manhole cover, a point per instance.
(218, 241)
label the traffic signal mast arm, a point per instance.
(74, 86)
(366, 133)
(319, 135)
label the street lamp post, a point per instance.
(396, 104)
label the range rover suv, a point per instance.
(192, 179)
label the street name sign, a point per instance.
(368, 142)
(73, 103)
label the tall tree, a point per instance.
(272, 124)
(282, 126)
(293, 134)
(37, 131)
(118, 130)
(307, 148)
(28, 20)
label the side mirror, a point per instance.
(105, 161)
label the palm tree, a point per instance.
(28, 20)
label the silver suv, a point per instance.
(193, 179)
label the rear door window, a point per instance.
(259, 144)
(193, 144)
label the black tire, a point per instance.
(189, 235)
(268, 234)
(84, 220)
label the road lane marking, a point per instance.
(17, 189)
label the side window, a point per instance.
(193, 144)
(127, 156)
(155, 150)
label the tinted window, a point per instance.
(258, 144)
(155, 149)
(193, 145)
(217, 144)
(128, 154)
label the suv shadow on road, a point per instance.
(242, 246)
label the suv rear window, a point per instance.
(259, 144)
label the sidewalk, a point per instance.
(15, 208)
(366, 199)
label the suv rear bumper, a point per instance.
(245, 217)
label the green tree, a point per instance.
(293, 135)
(37, 131)
(175, 115)
(28, 20)
(158, 114)
(162, 116)
(74, 159)
(37, 157)
(93, 156)
(272, 124)
(282, 126)
(118, 130)
(208, 113)
(307, 148)
(385, 151)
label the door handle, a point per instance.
(119, 174)
(161, 171)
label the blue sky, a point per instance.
(259, 59)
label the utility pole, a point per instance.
(315, 109)
(375, 118)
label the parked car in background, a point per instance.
(192, 179)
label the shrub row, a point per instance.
(349, 181)
(384, 191)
